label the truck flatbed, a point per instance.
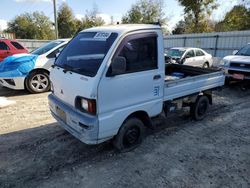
(195, 80)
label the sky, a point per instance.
(107, 8)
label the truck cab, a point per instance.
(110, 81)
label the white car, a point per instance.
(189, 56)
(31, 71)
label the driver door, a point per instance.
(138, 88)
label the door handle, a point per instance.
(157, 77)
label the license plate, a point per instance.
(238, 76)
(61, 113)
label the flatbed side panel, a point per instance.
(190, 85)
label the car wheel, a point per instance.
(130, 135)
(205, 65)
(38, 82)
(199, 108)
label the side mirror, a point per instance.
(235, 52)
(118, 66)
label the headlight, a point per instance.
(224, 63)
(84, 104)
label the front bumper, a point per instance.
(81, 125)
(16, 83)
(234, 74)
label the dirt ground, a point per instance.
(215, 152)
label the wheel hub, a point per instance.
(39, 82)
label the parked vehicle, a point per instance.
(31, 71)
(237, 66)
(189, 56)
(10, 47)
(110, 81)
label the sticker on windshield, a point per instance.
(102, 35)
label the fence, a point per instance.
(32, 44)
(218, 44)
(7, 35)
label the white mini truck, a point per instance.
(109, 82)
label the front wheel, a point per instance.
(130, 135)
(38, 82)
(205, 65)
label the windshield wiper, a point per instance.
(67, 68)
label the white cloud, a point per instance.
(105, 17)
(79, 16)
(3, 25)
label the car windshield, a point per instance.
(47, 47)
(244, 51)
(177, 53)
(85, 53)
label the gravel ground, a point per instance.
(215, 152)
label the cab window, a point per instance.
(140, 52)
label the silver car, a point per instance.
(189, 56)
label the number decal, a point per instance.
(156, 91)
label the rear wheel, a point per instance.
(130, 135)
(38, 82)
(199, 108)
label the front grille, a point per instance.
(240, 65)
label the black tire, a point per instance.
(199, 108)
(206, 65)
(130, 135)
(42, 85)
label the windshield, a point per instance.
(244, 51)
(177, 53)
(85, 53)
(47, 47)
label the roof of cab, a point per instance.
(122, 28)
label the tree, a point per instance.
(145, 11)
(179, 28)
(67, 25)
(31, 26)
(90, 19)
(198, 12)
(238, 18)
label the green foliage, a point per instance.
(145, 11)
(66, 22)
(236, 19)
(92, 19)
(197, 14)
(68, 25)
(180, 28)
(31, 26)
